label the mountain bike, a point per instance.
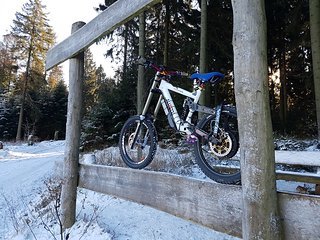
(214, 138)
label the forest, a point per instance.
(173, 33)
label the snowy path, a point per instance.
(22, 174)
(22, 166)
(23, 169)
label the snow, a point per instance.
(26, 212)
(28, 181)
(298, 157)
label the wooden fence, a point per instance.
(206, 202)
(211, 204)
(298, 158)
(83, 35)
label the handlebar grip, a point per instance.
(146, 63)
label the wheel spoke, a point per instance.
(137, 142)
(216, 157)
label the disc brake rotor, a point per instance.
(223, 147)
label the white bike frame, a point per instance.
(165, 100)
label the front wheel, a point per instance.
(216, 157)
(138, 142)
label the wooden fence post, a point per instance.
(261, 217)
(71, 154)
(141, 85)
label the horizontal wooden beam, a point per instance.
(298, 177)
(215, 205)
(211, 204)
(298, 158)
(115, 15)
(300, 216)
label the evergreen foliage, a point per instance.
(288, 52)
(289, 56)
(90, 81)
(33, 36)
(53, 109)
(38, 98)
(8, 67)
(108, 102)
(8, 118)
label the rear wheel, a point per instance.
(217, 156)
(138, 142)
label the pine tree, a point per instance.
(166, 33)
(289, 54)
(4, 69)
(8, 118)
(33, 37)
(53, 106)
(8, 65)
(55, 76)
(175, 37)
(90, 81)
(315, 43)
(205, 98)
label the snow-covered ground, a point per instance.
(28, 212)
(28, 203)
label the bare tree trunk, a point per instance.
(272, 87)
(203, 37)
(141, 78)
(283, 91)
(158, 35)
(19, 129)
(166, 35)
(205, 98)
(125, 52)
(24, 94)
(314, 6)
(260, 206)
(71, 154)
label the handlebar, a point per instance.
(161, 69)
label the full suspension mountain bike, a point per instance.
(215, 136)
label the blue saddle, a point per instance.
(205, 77)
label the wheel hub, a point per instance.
(222, 147)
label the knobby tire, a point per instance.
(144, 148)
(207, 160)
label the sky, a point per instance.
(61, 15)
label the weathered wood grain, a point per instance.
(260, 212)
(208, 203)
(71, 153)
(300, 216)
(118, 13)
(298, 177)
(211, 204)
